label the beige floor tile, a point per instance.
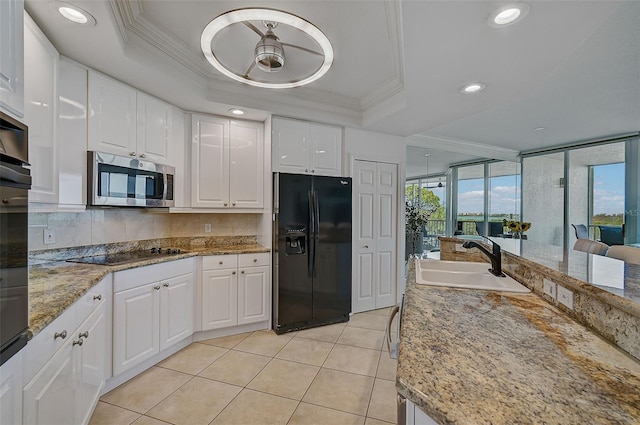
(306, 351)
(265, 343)
(328, 333)
(107, 414)
(371, 421)
(341, 391)
(197, 402)
(310, 414)
(236, 367)
(360, 337)
(193, 359)
(362, 361)
(227, 341)
(146, 420)
(380, 312)
(256, 408)
(147, 389)
(284, 378)
(387, 367)
(369, 321)
(383, 405)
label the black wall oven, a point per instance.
(15, 182)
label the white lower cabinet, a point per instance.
(415, 415)
(66, 389)
(11, 383)
(235, 290)
(152, 310)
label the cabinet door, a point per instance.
(176, 310)
(210, 162)
(112, 116)
(92, 361)
(290, 146)
(154, 128)
(72, 134)
(50, 397)
(41, 81)
(246, 164)
(11, 384)
(136, 326)
(325, 150)
(11, 57)
(253, 295)
(219, 299)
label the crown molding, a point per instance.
(462, 146)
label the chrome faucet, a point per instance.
(495, 257)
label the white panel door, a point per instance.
(154, 128)
(375, 241)
(219, 299)
(176, 310)
(112, 116)
(246, 164)
(364, 193)
(253, 295)
(209, 162)
(11, 384)
(136, 326)
(325, 150)
(290, 146)
(387, 185)
(93, 360)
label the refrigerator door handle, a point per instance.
(311, 236)
(316, 234)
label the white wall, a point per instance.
(379, 147)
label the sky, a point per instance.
(504, 196)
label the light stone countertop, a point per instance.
(56, 285)
(483, 357)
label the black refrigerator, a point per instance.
(311, 251)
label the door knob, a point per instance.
(366, 246)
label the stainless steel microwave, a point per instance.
(128, 182)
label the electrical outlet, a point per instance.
(549, 288)
(49, 236)
(460, 248)
(565, 297)
(207, 228)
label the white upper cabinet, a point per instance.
(227, 163)
(40, 112)
(126, 122)
(11, 57)
(306, 148)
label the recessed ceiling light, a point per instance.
(473, 88)
(508, 15)
(237, 111)
(73, 13)
(538, 129)
(269, 16)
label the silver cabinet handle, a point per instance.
(132, 154)
(220, 262)
(84, 334)
(233, 272)
(157, 287)
(233, 204)
(313, 171)
(62, 335)
(78, 342)
(143, 155)
(242, 272)
(97, 297)
(255, 260)
(306, 170)
(166, 285)
(225, 204)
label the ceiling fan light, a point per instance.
(269, 54)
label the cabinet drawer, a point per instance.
(218, 262)
(257, 259)
(140, 276)
(94, 297)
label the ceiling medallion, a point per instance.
(268, 54)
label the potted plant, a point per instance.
(517, 228)
(416, 217)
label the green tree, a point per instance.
(427, 202)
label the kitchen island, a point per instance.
(482, 357)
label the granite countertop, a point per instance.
(483, 357)
(55, 285)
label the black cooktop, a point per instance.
(127, 257)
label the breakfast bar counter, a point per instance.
(483, 357)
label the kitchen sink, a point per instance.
(464, 274)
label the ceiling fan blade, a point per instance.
(253, 64)
(303, 49)
(254, 28)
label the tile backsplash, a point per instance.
(101, 226)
